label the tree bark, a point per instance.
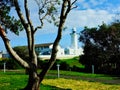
(33, 80)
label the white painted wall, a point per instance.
(74, 39)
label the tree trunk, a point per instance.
(33, 81)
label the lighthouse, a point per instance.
(74, 38)
(74, 49)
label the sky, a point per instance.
(89, 13)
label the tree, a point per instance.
(46, 9)
(101, 47)
(22, 51)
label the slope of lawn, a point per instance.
(73, 62)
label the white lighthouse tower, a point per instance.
(74, 49)
(74, 38)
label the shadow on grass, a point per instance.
(48, 87)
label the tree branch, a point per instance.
(24, 23)
(10, 50)
(31, 45)
(73, 4)
(40, 13)
(68, 7)
(28, 16)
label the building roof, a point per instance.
(44, 44)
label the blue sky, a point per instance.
(89, 13)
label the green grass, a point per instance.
(12, 81)
(15, 80)
(80, 74)
(73, 62)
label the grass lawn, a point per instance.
(80, 74)
(16, 80)
(73, 62)
(12, 81)
(71, 84)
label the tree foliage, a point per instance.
(101, 47)
(22, 51)
(7, 21)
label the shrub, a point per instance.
(10, 63)
(63, 65)
(42, 63)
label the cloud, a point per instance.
(85, 4)
(97, 2)
(89, 17)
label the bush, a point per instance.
(10, 63)
(63, 64)
(42, 63)
(75, 68)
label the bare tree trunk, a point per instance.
(33, 84)
(33, 81)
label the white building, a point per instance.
(46, 49)
(4, 54)
(74, 49)
(74, 39)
